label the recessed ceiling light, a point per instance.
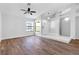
(66, 19)
(48, 17)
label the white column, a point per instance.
(0, 27)
(72, 27)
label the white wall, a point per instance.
(54, 26)
(77, 27)
(71, 14)
(65, 27)
(74, 33)
(72, 30)
(13, 21)
(45, 26)
(50, 26)
(73, 22)
(0, 27)
(76, 23)
(12, 28)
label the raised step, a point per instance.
(75, 43)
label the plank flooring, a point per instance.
(34, 45)
(75, 43)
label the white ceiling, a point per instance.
(39, 7)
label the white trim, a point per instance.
(57, 38)
(15, 36)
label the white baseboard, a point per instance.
(58, 38)
(15, 37)
(75, 38)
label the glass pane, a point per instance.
(29, 26)
(38, 26)
(37, 29)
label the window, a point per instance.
(29, 26)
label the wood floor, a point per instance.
(75, 43)
(34, 45)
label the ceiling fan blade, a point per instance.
(23, 10)
(33, 11)
(30, 13)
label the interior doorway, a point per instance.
(65, 26)
(37, 26)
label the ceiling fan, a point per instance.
(28, 11)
